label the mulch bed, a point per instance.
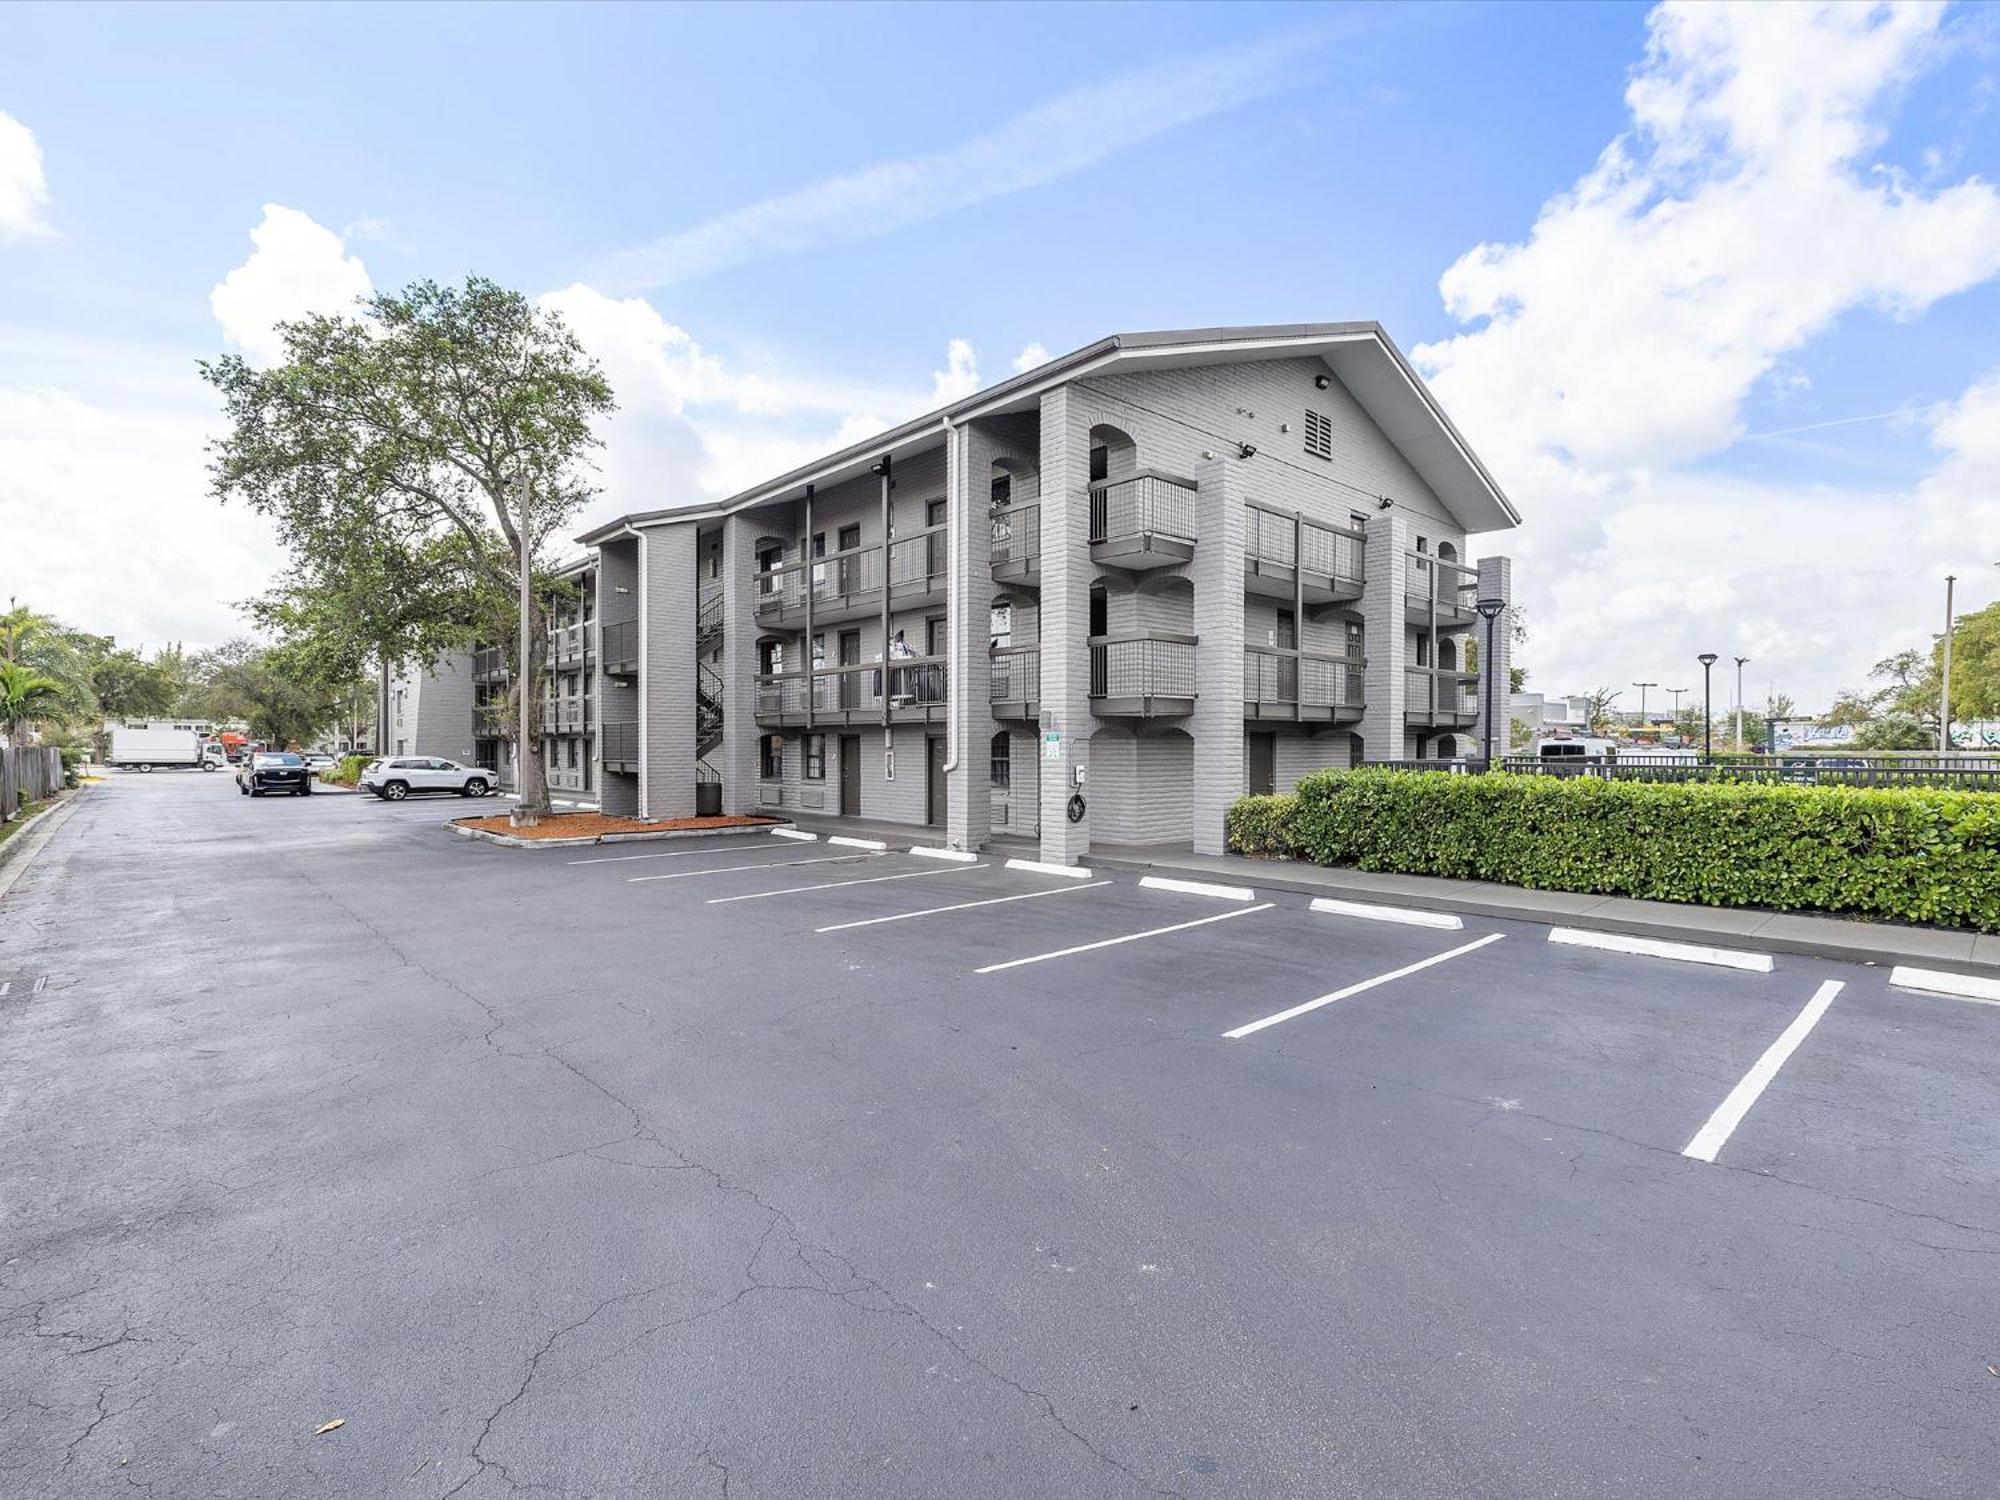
(596, 825)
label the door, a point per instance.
(850, 656)
(1263, 764)
(934, 781)
(1286, 638)
(852, 580)
(850, 775)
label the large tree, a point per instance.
(417, 458)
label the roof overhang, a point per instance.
(1362, 355)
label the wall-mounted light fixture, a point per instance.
(621, 588)
(1383, 502)
(1321, 382)
(1247, 450)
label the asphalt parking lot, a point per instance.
(760, 1166)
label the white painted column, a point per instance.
(1383, 733)
(968, 789)
(1217, 573)
(1066, 574)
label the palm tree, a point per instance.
(26, 698)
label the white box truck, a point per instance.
(142, 744)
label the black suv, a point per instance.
(274, 771)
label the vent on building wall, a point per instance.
(1319, 435)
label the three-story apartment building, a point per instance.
(1096, 602)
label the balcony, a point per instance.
(1439, 594)
(841, 696)
(566, 715)
(1017, 545)
(489, 664)
(618, 746)
(1440, 698)
(1284, 555)
(1301, 687)
(1143, 520)
(1142, 676)
(1015, 682)
(618, 644)
(844, 586)
(569, 645)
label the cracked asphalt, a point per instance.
(543, 1181)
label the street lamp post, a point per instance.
(1708, 660)
(1489, 611)
(1944, 697)
(1739, 703)
(1678, 694)
(1642, 686)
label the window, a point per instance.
(769, 558)
(573, 762)
(770, 658)
(1000, 626)
(1002, 773)
(1319, 435)
(934, 513)
(1100, 463)
(815, 747)
(1003, 491)
(771, 757)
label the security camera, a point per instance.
(1247, 450)
(1383, 502)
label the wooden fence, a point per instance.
(27, 774)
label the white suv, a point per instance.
(395, 778)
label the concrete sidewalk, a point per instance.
(1717, 926)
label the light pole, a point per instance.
(1944, 696)
(1489, 611)
(1677, 692)
(1642, 686)
(1707, 660)
(1739, 703)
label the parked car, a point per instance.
(274, 771)
(397, 777)
(319, 760)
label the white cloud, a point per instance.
(24, 190)
(1736, 222)
(959, 377)
(1030, 356)
(158, 559)
(298, 266)
(1051, 140)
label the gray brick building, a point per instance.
(1157, 572)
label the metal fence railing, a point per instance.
(619, 641)
(1015, 675)
(1307, 678)
(1783, 771)
(1273, 536)
(1017, 536)
(1145, 503)
(618, 744)
(1143, 666)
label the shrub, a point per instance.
(347, 772)
(1906, 854)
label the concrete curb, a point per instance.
(29, 839)
(510, 841)
(1808, 935)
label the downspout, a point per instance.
(954, 468)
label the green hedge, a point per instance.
(346, 771)
(1911, 855)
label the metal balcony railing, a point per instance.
(489, 664)
(1273, 537)
(1147, 503)
(618, 743)
(1303, 679)
(837, 580)
(1142, 667)
(1017, 538)
(920, 563)
(1440, 695)
(1436, 587)
(569, 643)
(619, 641)
(914, 683)
(1014, 675)
(566, 715)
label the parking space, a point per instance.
(839, 1141)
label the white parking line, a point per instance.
(1036, 867)
(618, 859)
(932, 851)
(933, 911)
(1409, 916)
(1729, 1114)
(1130, 937)
(1367, 984)
(847, 843)
(1687, 953)
(769, 864)
(834, 885)
(1198, 888)
(1951, 986)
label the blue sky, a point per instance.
(772, 222)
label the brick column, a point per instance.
(668, 564)
(738, 665)
(1383, 732)
(1496, 581)
(1217, 573)
(969, 456)
(1066, 574)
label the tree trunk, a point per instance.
(530, 772)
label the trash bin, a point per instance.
(708, 799)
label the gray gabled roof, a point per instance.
(1362, 354)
